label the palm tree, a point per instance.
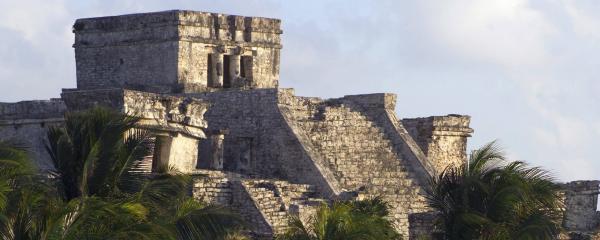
(485, 199)
(95, 154)
(94, 194)
(28, 201)
(13, 165)
(362, 220)
(94, 150)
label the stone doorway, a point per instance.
(227, 81)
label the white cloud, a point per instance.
(525, 70)
(35, 19)
(584, 19)
(506, 32)
(547, 56)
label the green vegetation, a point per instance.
(94, 195)
(354, 220)
(491, 199)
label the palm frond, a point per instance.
(372, 206)
(95, 154)
(485, 157)
(345, 220)
(196, 221)
(491, 199)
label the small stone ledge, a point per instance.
(376, 100)
(177, 17)
(452, 124)
(32, 110)
(30, 121)
(157, 111)
(176, 25)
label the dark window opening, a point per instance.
(226, 72)
(209, 71)
(245, 66)
(204, 154)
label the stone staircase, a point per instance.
(268, 201)
(278, 200)
(213, 186)
(264, 204)
(360, 156)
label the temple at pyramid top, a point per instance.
(177, 52)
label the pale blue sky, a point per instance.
(526, 71)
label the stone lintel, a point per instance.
(385, 101)
(157, 111)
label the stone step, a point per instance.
(273, 198)
(349, 142)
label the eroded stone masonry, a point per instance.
(208, 85)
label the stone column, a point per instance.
(217, 73)
(175, 150)
(184, 153)
(217, 150)
(234, 70)
(162, 152)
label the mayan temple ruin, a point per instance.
(208, 85)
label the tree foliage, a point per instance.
(490, 199)
(94, 192)
(353, 220)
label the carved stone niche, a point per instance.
(211, 150)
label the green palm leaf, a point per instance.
(490, 199)
(364, 220)
(94, 192)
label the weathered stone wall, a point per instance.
(442, 138)
(581, 201)
(214, 187)
(226, 189)
(266, 205)
(260, 141)
(37, 109)
(279, 200)
(177, 51)
(150, 66)
(27, 123)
